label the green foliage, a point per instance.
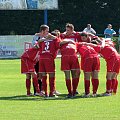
(115, 40)
(79, 12)
(14, 105)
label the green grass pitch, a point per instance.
(14, 105)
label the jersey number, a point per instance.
(47, 46)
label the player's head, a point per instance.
(84, 36)
(109, 26)
(95, 42)
(69, 28)
(54, 33)
(44, 30)
(88, 26)
(57, 32)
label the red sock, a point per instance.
(115, 86)
(28, 85)
(95, 84)
(75, 82)
(87, 86)
(52, 85)
(108, 86)
(44, 84)
(35, 81)
(68, 85)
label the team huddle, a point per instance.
(39, 61)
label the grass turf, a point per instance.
(14, 105)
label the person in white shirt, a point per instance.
(89, 29)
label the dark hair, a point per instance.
(71, 26)
(94, 42)
(53, 33)
(43, 27)
(84, 34)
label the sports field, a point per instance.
(14, 105)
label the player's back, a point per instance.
(109, 52)
(31, 54)
(86, 51)
(49, 47)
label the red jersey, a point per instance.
(80, 40)
(107, 52)
(32, 54)
(73, 37)
(86, 51)
(68, 49)
(49, 47)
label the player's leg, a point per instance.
(51, 83)
(116, 69)
(86, 65)
(40, 81)
(95, 82)
(28, 84)
(114, 83)
(68, 83)
(35, 82)
(39, 78)
(108, 83)
(87, 83)
(75, 71)
(112, 66)
(44, 84)
(95, 72)
(75, 80)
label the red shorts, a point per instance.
(90, 64)
(27, 66)
(47, 65)
(113, 65)
(69, 62)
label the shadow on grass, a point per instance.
(38, 98)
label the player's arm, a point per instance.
(66, 41)
(89, 44)
(36, 45)
(50, 36)
(41, 40)
(103, 43)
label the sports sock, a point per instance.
(115, 86)
(52, 85)
(75, 82)
(68, 85)
(95, 84)
(87, 86)
(34, 88)
(28, 85)
(44, 84)
(35, 82)
(108, 85)
(40, 84)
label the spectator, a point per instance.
(109, 32)
(89, 29)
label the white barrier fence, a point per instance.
(12, 46)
